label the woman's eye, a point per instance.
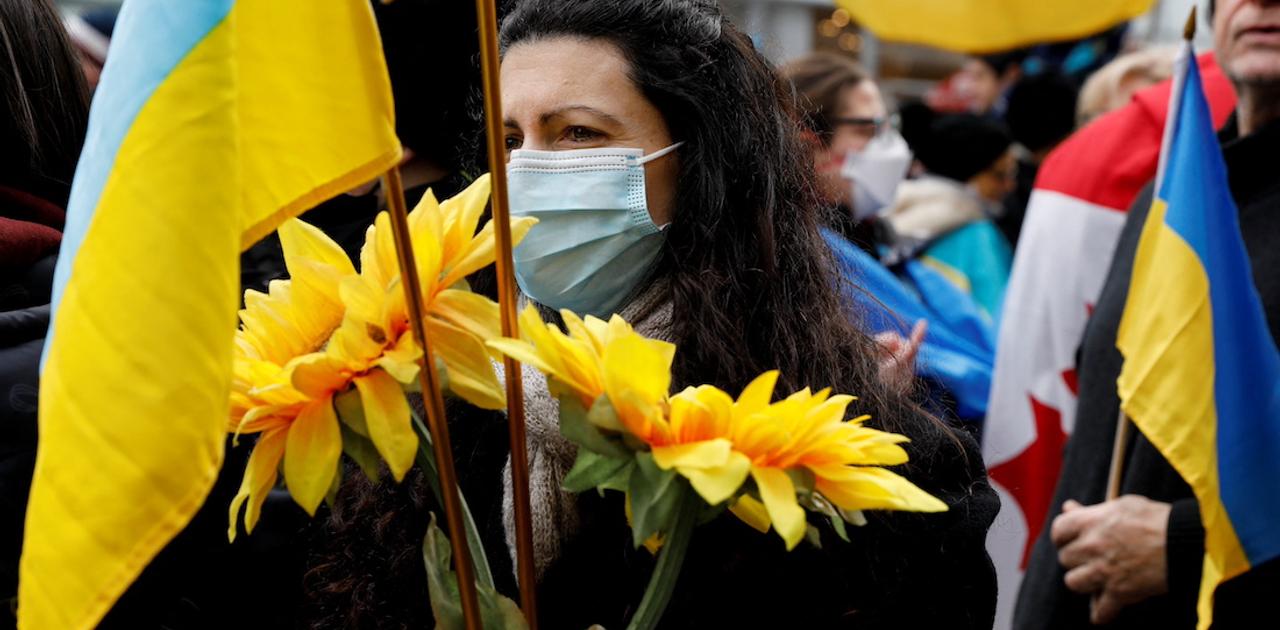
(581, 134)
(513, 143)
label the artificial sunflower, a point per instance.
(717, 442)
(329, 330)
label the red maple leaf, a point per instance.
(1032, 475)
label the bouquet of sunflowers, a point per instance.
(325, 360)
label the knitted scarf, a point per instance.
(554, 511)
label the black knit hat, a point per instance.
(956, 146)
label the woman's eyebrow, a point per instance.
(586, 109)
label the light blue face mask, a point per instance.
(594, 242)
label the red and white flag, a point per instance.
(1073, 221)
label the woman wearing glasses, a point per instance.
(860, 161)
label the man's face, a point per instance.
(1246, 35)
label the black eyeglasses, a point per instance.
(876, 125)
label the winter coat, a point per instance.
(1044, 602)
(947, 226)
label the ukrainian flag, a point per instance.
(980, 26)
(214, 121)
(1201, 377)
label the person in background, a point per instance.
(860, 160)
(40, 138)
(1114, 85)
(946, 216)
(91, 38)
(1135, 561)
(984, 82)
(1041, 114)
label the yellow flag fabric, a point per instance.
(981, 26)
(215, 120)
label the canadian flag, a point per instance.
(1073, 221)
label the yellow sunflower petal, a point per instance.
(316, 374)
(427, 220)
(259, 478)
(480, 252)
(401, 360)
(471, 373)
(522, 352)
(751, 512)
(469, 311)
(708, 454)
(311, 454)
(779, 497)
(386, 413)
(717, 483)
(462, 214)
(641, 366)
(700, 413)
(869, 488)
(757, 394)
(301, 241)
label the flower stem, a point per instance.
(427, 460)
(663, 581)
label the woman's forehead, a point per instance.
(558, 75)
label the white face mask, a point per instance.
(594, 242)
(876, 171)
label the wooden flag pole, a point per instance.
(1119, 449)
(487, 22)
(433, 400)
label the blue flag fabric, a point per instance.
(959, 350)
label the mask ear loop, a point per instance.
(657, 154)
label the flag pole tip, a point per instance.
(1189, 31)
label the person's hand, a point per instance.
(1113, 550)
(898, 357)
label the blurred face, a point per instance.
(854, 125)
(998, 181)
(1246, 36)
(978, 85)
(571, 93)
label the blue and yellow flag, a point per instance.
(214, 121)
(979, 26)
(1201, 377)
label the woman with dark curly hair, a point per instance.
(659, 150)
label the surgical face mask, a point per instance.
(876, 171)
(594, 242)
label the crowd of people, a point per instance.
(793, 218)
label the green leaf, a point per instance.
(655, 496)
(813, 536)
(496, 611)
(803, 479)
(361, 451)
(854, 517)
(427, 463)
(837, 524)
(331, 496)
(351, 411)
(591, 470)
(670, 558)
(603, 415)
(575, 427)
